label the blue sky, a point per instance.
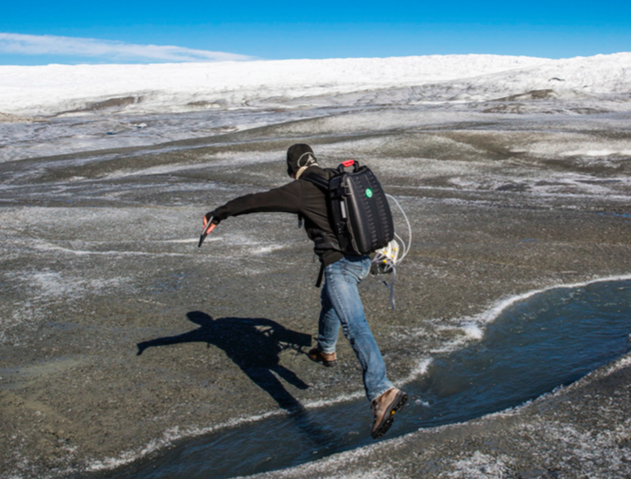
(37, 32)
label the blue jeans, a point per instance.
(341, 304)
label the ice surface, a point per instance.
(479, 466)
(59, 109)
(53, 89)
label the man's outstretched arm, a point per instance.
(286, 199)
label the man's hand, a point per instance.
(209, 225)
(208, 217)
(209, 229)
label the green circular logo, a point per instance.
(368, 192)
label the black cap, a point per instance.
(296, 154)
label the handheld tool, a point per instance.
(208, 227)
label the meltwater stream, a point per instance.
(536, 344)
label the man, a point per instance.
(341, 304)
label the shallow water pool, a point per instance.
(535, 345)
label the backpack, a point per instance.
(358, 208)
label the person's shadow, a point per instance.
(254, 345)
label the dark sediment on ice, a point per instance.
(99, 255)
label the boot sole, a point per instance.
(388, 417)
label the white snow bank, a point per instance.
(53, 88)
(573, 78)
(44, 90)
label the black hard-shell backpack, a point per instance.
(360, 215)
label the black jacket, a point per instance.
(299, 197)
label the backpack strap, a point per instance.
(320, 276)
(317, 180)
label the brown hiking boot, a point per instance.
(383, 409)
(327, 359)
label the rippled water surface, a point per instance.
(537, 344)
